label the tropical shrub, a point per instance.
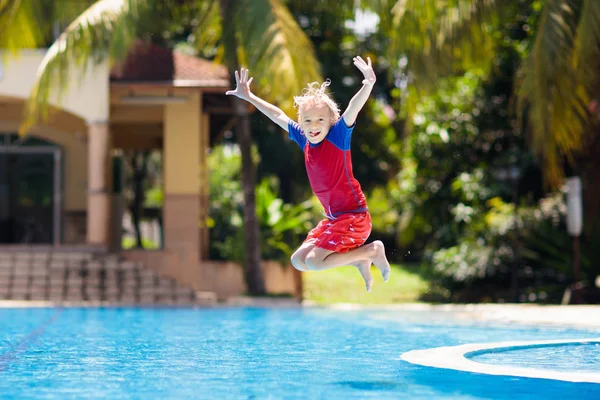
(463, 208)
(283, 226)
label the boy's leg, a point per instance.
(319, 258)
(364, 267)
(298, 259)
(299, 262)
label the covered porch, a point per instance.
(64, 171)
(156, 100)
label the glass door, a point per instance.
(31, 197)
(27, 197)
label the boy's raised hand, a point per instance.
(366, 69)
(242, 88)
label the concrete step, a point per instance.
(85, 276)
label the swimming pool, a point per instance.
(243, 353)
(580, 357)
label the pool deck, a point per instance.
(578, 316)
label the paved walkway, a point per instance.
(581, 316)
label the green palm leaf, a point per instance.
(208, 30)
(19, 25)
(438, 37)
(275, 49)
(587, 45)
(555, 84)
(558, 79)
(32, 23)
(104, 30)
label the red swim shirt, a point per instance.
(329, 168)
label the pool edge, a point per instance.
(455, 358)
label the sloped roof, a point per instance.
(149, 63)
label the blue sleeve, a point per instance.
(340, 134)
(295, 133)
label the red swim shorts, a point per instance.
(345, 232)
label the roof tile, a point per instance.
(152, 63)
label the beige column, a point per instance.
(181, 163)
(99, 184)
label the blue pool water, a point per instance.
(564, 357)
(252, 353)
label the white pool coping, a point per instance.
(574, 316)
(455, 358)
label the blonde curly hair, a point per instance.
(316, 95)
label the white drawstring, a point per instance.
(330, 215)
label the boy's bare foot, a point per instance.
(364, 267)
(380, 260)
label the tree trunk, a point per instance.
(253, 272)
(590, 175)
(140, 169)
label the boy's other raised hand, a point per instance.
(242, 85)
(366, 69)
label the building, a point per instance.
(58, 189)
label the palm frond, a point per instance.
(341, 7)
(555, 85)
(19, 27)
(104, 31)
(66, 11)
(208, 30)
(273, 46)
(31, 23)
(383, 10)
(436, 38)
(587, 45)
(439, 37)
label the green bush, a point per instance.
(129, 243)
(459, 215)
(534, 238)
(283, 226)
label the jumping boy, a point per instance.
(324, 137)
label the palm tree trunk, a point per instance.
(253, 272)
(590, 176)
(139, 165)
